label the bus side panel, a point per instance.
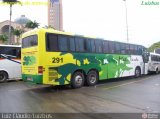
(30, 65)
(58, 68)
(12, 67)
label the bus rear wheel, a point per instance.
(157, 71)
(77, 80)
(3, 76)
(137, 72)
(92, 78)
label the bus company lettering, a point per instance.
(134, 59)
(150, 3)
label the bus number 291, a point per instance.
(57, 60)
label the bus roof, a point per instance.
(10, 45)
(49, 30)
(153, 53)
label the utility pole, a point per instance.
(126, 20)
(10, 39)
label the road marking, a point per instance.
(25, 89)
(123, 84)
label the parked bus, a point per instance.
(10, 62)
(59, 58)
(154, 63)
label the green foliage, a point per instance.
(3, 37)
(12, 2)
(17, 32)
(154, 46)
(32, 24)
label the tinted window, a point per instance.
(72, 44)
(127, 49)
(12, 52)
(30, 41)
(63, 43)
(93, 47)
(80, 44)
(111, 47)
(132, 49)
(140, 50)
(52, 42)
(117, 48)
(105, 47)
(157, 51)
(123, 48)
(88, 45)
(98, 44)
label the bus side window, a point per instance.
(131, 49)
(63, 43)
(72, 44)
(127, 49)
(18, 53)
(136, 49)
(52, 42)
(88, 45)
(93, 47)
(139, 50)
(111, 47)
(105, 47)
(117, 48)
(123, 48)
(98, 44)
(80, 44)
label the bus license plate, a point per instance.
(29, 79)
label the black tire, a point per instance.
(92, 78)
(3, 76)
(157, 71)
(137, 72)
(77, 80)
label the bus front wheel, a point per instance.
(92, 78)
(3, 76)
(77, 80)
(137, 72)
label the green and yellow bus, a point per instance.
(59, 58)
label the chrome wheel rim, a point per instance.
(137, 72)
(92, 78)
(78, 80)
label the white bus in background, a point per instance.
(154, 63)
(10, 62)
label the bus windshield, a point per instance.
(30, 41)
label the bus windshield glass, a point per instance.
(30, 41)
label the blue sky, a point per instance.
(103, 18)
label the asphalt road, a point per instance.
(129, 95)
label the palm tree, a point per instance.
(17, 33)
(11, 3)
(32, 24)
(3, 37)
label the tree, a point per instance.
(11, 3)
(17, 32)
(3, 37)
(32, 24)
(154, 46)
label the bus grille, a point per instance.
(53, 74)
